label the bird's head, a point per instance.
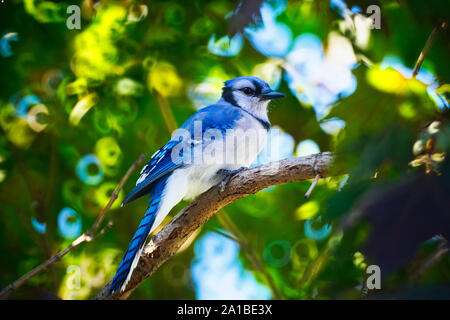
(251, 94)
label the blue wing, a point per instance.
(219, 117)
(159, 165)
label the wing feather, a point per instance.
(160, 164)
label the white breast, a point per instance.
(238, 148)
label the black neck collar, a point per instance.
(227, 95)
(264, 123)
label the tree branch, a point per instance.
(166, 243)
(423, 53)
(85, 237)
(434, 257)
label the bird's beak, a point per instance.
(270, 95)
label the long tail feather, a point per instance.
(134, 250)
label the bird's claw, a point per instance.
(223, 184)
(228, 175)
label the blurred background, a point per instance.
(81, 99)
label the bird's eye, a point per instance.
(248, 91)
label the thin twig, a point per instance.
(102, 232)
(226, 235)
(248, 251)
(85, 237)
(166, 112)
(423, 53)
(313, 184)
(431, 260)
(115, 194)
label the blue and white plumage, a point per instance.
(168, 179)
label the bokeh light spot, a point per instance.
(225, 46)
(5, 47)
(306, 148)
(83, 170)
(217, 272)
(277, 253)
(316, 234)
(40, 227)
(307, 210)
(69, 223)
(164, 78)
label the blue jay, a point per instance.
(176, 171)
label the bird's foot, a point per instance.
(228, 175)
